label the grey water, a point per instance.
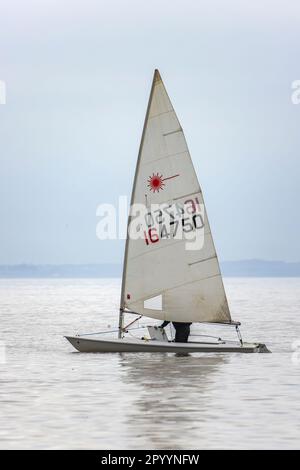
(52, 397)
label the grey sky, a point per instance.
(77, 78)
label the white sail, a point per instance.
(162, 278)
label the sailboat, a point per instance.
(171, 270)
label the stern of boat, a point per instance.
(262, 348)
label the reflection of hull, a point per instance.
(83, 344)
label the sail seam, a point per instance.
(162, 247)
(166, 156)
(175, 287)
(202, 260)
(187, 195)
(172, 132)
(170, 201)
(160, 114)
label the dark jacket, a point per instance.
(182, 330)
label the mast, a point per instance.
(156, 76)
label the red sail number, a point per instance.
(151, 236)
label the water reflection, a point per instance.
(172, 397)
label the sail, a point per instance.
(163, 277)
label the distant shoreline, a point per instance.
(243, 268)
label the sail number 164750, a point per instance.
(173, 221)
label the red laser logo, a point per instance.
(156, 182)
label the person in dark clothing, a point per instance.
(182, 330)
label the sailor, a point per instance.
(182, 330)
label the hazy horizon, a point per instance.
(242, 268)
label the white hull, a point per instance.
(83, 344)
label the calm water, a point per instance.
(53, 398)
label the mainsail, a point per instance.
(162, 277)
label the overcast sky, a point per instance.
(78, 75)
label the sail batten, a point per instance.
(159, 263)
